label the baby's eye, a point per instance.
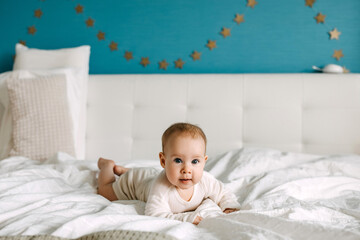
(195, 161)
(177, 160)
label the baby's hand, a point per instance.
(197, 220)
(230, 210)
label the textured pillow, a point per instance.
(5, 122)
(74, 92)
(75, 58)
(41, 117)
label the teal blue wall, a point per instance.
(278, 36)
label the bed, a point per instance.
(287, 145)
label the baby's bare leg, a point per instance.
(107, 178)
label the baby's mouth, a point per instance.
(185, 180)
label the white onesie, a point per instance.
(163, 200)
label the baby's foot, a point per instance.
(107, 163)
(102, 163)
(118, 170)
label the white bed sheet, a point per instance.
(283, 196)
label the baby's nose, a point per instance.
(186, 171)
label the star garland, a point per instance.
(163, 65)
(195, 55)
(333, 34)
(128, 55)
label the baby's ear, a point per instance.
(162, 159)
(206, 158)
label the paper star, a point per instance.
(38, 13)
(90, 22)
(251, 3)
(79, 9)
(338, 54)
(101, 35)
(179, 63)
(320, 18)
(309, 2)
(145, 61)
(239, 18)
(211, 44)
(113, 46)
(32, 30)
(334, 34)
(195, 55)
(128, 55)
(225, 32)
(163, 64)
(23, 42)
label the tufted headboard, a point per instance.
(313, 113)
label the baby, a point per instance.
(178, 190)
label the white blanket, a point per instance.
(283, 196)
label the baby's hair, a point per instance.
(183, 128)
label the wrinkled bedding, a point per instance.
(283, 196)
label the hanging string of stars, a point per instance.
(334, 34)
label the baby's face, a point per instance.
(184, 160)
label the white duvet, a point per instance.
(283, 196)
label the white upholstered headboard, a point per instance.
(314, 113)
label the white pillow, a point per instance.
(41, 116)
(33, 58)
(76, 58)
(74, 94)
